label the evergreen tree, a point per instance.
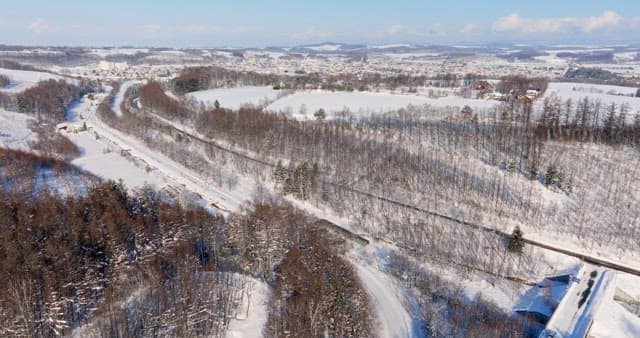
(301, 181)
(280, 173)
(320, 114)
(550, 176)
(516, 242)
(610, 121)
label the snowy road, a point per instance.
(386, 298)
(173, 171)
(117, 100)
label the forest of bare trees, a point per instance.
(201, 78)
(428, 237)
(444, 310)
(398, 155)
(49, 99)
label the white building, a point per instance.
(108, 66)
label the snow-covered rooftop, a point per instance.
(568, 301)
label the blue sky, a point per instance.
(283, 23)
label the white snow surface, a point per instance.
(155, 168)
(305, 104)
(15, 132)
(614, 321)
(252, 313)
(630, 284)
(104, 159)
(25, 79)
(570, 319)
(329, 47)
(103, 52)
(234, 98)
(396, 45)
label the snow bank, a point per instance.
(234, 98)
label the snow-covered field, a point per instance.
(15, 132)
(105, 160)
(234, 98)
(252, 313)
(605, 93)
(24, 79)
(104, 52)
(328, 47)
(305, 104)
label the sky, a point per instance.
(199, 23)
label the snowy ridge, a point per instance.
(22, 80)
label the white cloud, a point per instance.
(468, 28)
(399, 29)
(607, 19)
(40, 26)
(515, 22)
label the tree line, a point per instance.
(202, 78)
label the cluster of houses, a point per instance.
(488, 91)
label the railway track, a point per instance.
(362, 240)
